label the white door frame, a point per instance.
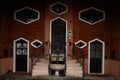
(103, 53)
(14, 55)
(51, 31)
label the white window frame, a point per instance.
(61, 4)
(23, 21)
(35, 41)
(85, 44)
(94, 9)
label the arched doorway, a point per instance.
(96, 56)
(58, 34)
(21, 55)
(57, 61)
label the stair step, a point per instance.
(38, 74)
(75, 75)
(75, 71)
(73, 68)
(68, 73)
(40, 67)
(73, 64)
(41, 64)
(39, 71)
(71, 61)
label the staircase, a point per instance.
(40, 68)
(73, 68)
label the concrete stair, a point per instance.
(73, 68)
(40, 68)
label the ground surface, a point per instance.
(47, 77)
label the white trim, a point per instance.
(51, 31)
(61, 4)
(29, 21)
(14, 55)
(85, 44)
(89, 9)
(103, 56)
(35, 41)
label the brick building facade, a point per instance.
(102, 29)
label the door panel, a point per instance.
(58, 32)
(96, 57)
(21, 56)
(58, 37)
(21, 63)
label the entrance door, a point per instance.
(20, 55)
(96, 57)
(58, 36)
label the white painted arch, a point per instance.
(103, 55)
(14, 54)
(51, 30)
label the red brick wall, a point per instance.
(68, 16)
(87, 32)
(34, 30)
(115, 22)
(116, 32)
(5, 65)
(107, 30)
(12, 29)
(4, 42)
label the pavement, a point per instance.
(11, 76)
(100, 78)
